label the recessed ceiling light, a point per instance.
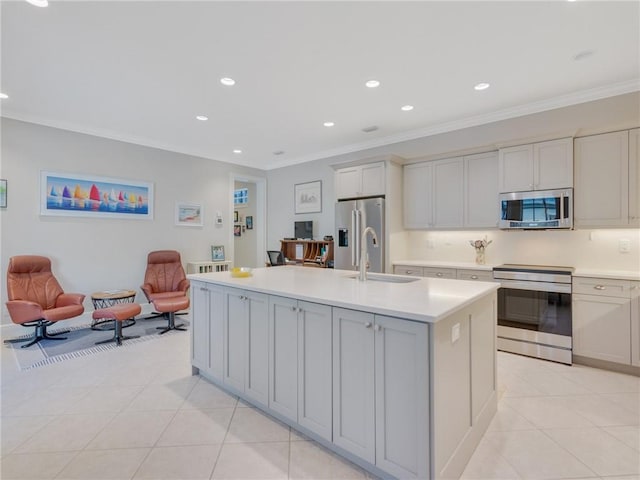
(482, 86)
(227, 81)
(39, 3)
(279, 152)
(4, 95)
(202, 118)
(372, 83)
(406, 108)
(582, 55)
(237, 150)
(328, 124)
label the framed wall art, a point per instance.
(65, 194)
(249, 222)
(3, 193)
(189, 214)
(308, 197)
(217, 253)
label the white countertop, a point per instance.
(425, 300)
(444, 264)
(617, 274)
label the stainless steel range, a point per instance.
(534, 311)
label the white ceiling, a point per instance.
(142, 71)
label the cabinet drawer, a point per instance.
(605, 287)
(408, 270)
(480, 275)
(439, 272)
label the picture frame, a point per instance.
(189, 214)
(235, 216)
(3, 193)
(217, 253)
(249, 222)
(80, 195)
(237, 231)
(308, 197)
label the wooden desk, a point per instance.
(308, 251)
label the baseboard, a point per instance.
(605, 365)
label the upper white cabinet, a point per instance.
(537, 166)
(607, 177)
(433, 194)
(360, 181)
(481, 190)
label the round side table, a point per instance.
(108, 298)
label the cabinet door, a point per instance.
(515, 166)
(199, 325)
(481, 208)
(634, 177)
(235, 338)
(448, 187)
(602, 328)
(353, 383)
(283, 356)
(314, 369)
(372, 179)
(402, 397)
(601, 180)
(635, 324)
(257, 363)
(348, 182)
(216, 331)
(553, 164)
(418, 186)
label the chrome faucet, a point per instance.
(364, 255)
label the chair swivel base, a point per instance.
(117, 335)
(172, 324)
(40, 334)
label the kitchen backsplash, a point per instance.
(594, 249)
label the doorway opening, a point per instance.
(248, 229)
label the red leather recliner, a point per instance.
(36, 299)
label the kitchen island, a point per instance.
(397, 374)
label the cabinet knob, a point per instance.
(294, 309)
(600, 287)
(474, 277)
(634, 287)
(367, 324)
(203, 289)
(439, 274)
(377, 328)
(408, 272)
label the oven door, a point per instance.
(535, 310)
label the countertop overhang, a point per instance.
(424, 300)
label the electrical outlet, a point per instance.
(624, 245)
(455, 333)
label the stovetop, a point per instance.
(535, 269)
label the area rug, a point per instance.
(81, 341)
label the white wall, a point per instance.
(592, 249)
(91, 254)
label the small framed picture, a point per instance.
(3, 193)
(235, 216)
(249, 222)
(237, 230)
(217, 253)
(189, 214)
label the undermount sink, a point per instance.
(381, 277)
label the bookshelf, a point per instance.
(206, 267)
(308, 251)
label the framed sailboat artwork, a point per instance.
(65, 194)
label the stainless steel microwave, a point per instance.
(541, 209)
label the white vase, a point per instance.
(480, 256)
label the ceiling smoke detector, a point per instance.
(370, 129)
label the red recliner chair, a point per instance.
(165, 285)
(36, 299)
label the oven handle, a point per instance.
(536, 286)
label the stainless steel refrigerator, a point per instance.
(352, 217)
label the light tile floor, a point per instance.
(137, 412)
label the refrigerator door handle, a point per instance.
(353, 237)
(356, 237)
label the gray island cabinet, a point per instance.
(398, 377)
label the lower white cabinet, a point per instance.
(246, 357)
(300, 363)
(380, 393)
(436, 272)
(207, 324)
(605, 320)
